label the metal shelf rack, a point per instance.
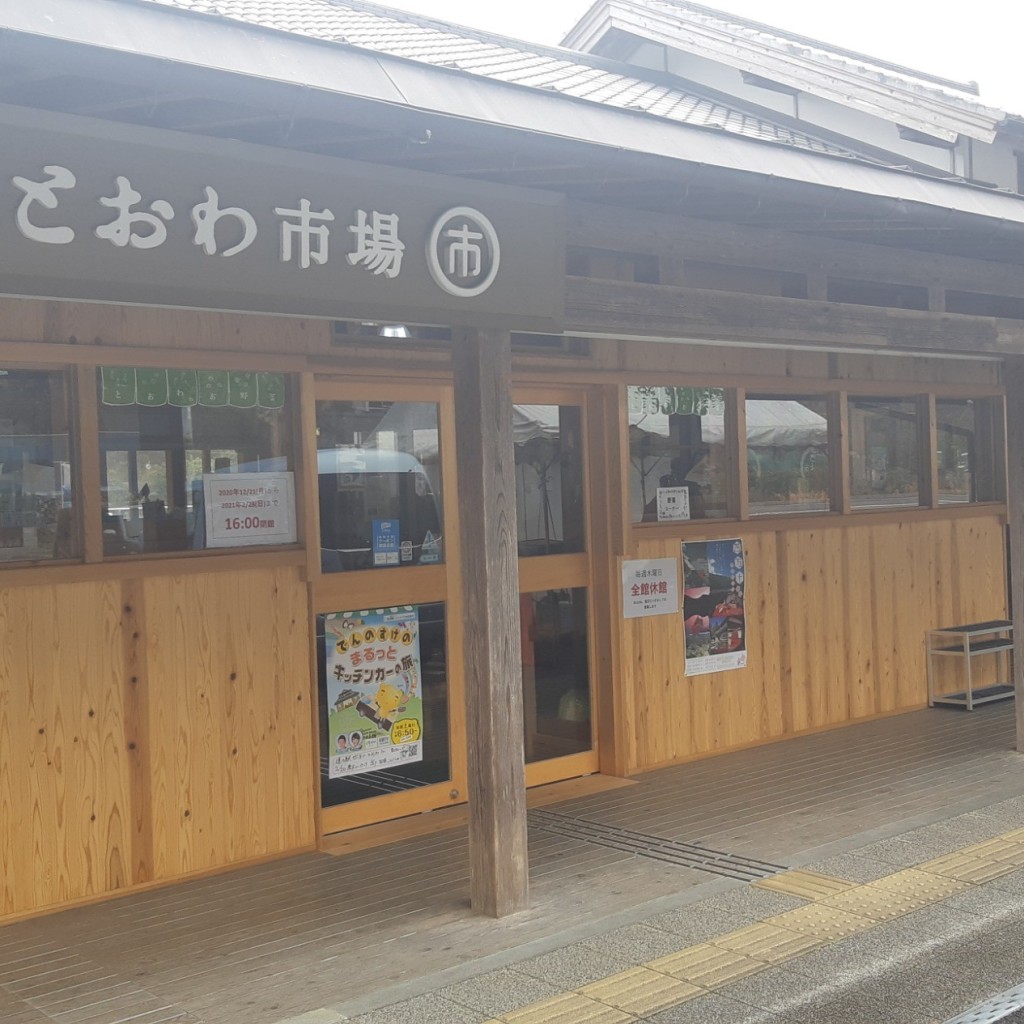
(968, 642)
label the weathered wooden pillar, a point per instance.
(490, 580)
(1013, 377)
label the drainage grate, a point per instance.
(997, 1008)
(689, 855)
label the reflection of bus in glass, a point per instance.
(359, 486)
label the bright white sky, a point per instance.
(984, 44)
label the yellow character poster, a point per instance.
(374, 699)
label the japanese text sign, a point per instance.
(249, 508)
(650, 587)
(374, 697)
(126, 214)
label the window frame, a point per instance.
(837, 394)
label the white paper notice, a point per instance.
(673, 504)
(650, 587)
(243, 509)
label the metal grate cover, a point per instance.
(690, 855)
(997, 1008)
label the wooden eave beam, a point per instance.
(624, 309)
(597, 226)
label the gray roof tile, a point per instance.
(398, 34)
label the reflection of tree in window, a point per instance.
(677, 440)
(883, 452)
(787, 454)
(153, 461)
(36, 515)
(549, 478)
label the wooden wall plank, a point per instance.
(106, 741)
(835, 630)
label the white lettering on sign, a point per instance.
(206, 215)
(377, 243)
(463, 252)
(313, 238)
(122, 230)
(42, 192)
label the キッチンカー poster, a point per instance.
(714, 621)
(374, 698)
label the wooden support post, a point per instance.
(1013, 377)
(839, 452)
(482, 362)
(927, 460)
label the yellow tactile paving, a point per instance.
(992, 849)
(707, 965)
(836, 908)
(966, 868)
(920, 885)
(824, 923)
(640, 991)
(767, 942)
(567, 1008)
(808, 885)
(878, 904)
(1013, 856)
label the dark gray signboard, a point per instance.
(98, 211)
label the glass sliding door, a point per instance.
(554, 579)
(388, 621)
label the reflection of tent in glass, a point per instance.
(771, 423)
(548, 479)
(673, 449)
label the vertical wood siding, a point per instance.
(150, 729)
(836, 620)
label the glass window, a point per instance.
(883, 452)
(379, 467)
(37, 519)
(677, 454)
(787, 454)
(166, 436)
(549, 478)
(966, 449)
(384, 719)
(556, 676)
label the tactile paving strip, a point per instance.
(568, 1008)
(673, 851)
(826, 924)
(640, 991)
(920, 885)
(707, 965)
(767, 942)
(808, 885)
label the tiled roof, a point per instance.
(411, 37)
(796, 45)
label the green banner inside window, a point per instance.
(123, 385)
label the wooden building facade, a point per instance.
(169, 695)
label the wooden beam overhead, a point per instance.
(616, 308)
(611, 227)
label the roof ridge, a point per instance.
(971, 88)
